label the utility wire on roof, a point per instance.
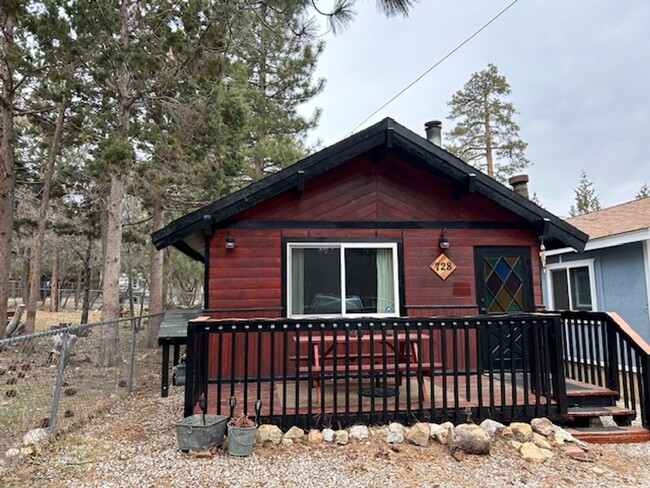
(434, 66)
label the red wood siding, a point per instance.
(250, 276)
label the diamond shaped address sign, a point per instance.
(443, 266)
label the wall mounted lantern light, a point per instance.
(230, 242)
(443, 242)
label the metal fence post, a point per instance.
(59, 382)
(129, 385)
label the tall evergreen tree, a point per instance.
(644, 192)
(278, 50)
(485, 135)
(586, 199)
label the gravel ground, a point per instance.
(134, 445)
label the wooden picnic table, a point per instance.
(328, 355)
(173, 332)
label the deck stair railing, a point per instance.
(337, 372)
(602, 349)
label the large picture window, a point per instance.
(318, 275)
(571, 286)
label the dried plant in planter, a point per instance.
(242, 422)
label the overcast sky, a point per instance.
(579, 73)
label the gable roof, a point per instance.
(186, 233)
(619, 219)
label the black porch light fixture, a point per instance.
(443, 242)
(230, 242)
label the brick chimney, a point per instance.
(519, 184)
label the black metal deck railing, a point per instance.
(601, 349)
(338, 372)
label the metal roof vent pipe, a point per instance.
(433, 128)
(519, 184)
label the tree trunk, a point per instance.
(112, 236)
(7, 175)
(85, 307)
(77, 290)
(37, 249)
(24, 279)
(156, 285)
(109, 352)
(54, 281)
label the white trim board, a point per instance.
(642, 235)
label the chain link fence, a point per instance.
(52, 381)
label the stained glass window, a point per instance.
(504, 290)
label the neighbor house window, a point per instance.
(571, 286)
(318, 275)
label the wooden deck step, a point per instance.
(611, 435)
(604, 411)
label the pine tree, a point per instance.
(278, 50)
(586, 200)
(644, 192)
(341, 14)
(486, 135)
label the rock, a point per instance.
(294, 433)
(315, 437)
(418, 434)
(492, 426)
(543, 426)
(341, 437)
(556, 440)
(395, 433)
(522, 431)
(378, 432)
(359, 433)
(435, 429)
(574, 452)
(287, 442)
(515, 444)
(541, 441)
(12, 453)
(530, 452)
(598, 470)
(328, 435)
(35, 436)
(506, 432)
(566, 436)
(269, 433)
(442, 435)
(472, 439)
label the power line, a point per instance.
(434, 66)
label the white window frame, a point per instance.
(567, 265)
(342, 246)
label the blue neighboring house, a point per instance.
(613, 272)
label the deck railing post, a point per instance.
(612, 356)
(557, 366)
(645, 378)
(191, 362)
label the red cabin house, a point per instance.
(363, 277)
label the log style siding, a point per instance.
(248, 281)
(250, 276)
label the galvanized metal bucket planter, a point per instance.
(241, 440)
(200, 432)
